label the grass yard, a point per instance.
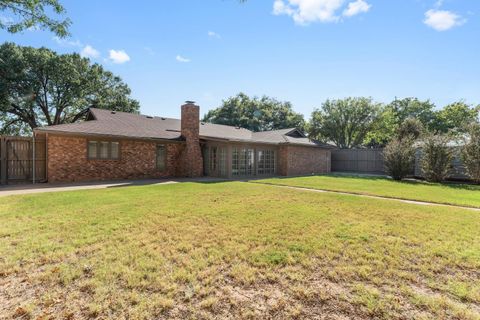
(235, 250)
(455, 194)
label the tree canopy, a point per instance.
(256, 114)
(423, 111)
(452, 119)
(33, 14)
(456, 117)
(40, 87)
(345, 122)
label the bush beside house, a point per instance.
(471, 153)
(437, 156)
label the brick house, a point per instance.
(116, 145)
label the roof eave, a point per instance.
(115, 136)
(307, 145)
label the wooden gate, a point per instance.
(22, 160)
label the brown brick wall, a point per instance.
(191, 161)
(67, 160)
(297, 160)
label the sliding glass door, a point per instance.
(237, 161)
(216, 161)
(243, 162)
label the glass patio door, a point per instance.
(217, 161)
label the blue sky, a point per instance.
(302, 51)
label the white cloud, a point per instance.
(356, 7)
(89, 52)
(118, 56)
(213, 34)
(69, 43)
(179, 58)
(442, 20)
(307, 11)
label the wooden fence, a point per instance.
(17, 160)
(358, 160)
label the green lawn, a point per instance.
(235, 250)
(456, 194)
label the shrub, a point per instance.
(471, 153)
(437, 158)
(411, 128)
(399, 156)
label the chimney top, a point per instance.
(190, 102)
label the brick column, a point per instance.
(191, 161)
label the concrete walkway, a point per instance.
(20, 189)
(423, 203)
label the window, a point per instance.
(235, 167)
(266, 162)
(213, 159)
(161, 157)
(92, 149)
(104, 150)
(242, 162)
(222, 161)
(217, 164)
(115, 150)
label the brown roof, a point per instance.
(130, 125)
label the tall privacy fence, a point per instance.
(371, 161)
(358, 160)
(22, 160)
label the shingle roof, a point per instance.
(122, 124)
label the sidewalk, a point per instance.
(422, 203)
(20, 189)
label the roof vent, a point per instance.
(113, 112)
(237, 128)
(163, 118)
(149, 117)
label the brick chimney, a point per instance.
(191, 164)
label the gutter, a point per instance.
(83, 134)
(264, 142)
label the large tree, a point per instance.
(456, 117)
(383, 130)
(424, 111)
(256, 114)
(453, 117)
(344, 122)
(24, 14)
(40, 87)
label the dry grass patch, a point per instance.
(235, 250)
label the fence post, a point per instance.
(3, 161)
(33, 157)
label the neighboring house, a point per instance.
(457, 168)
(117, 145)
